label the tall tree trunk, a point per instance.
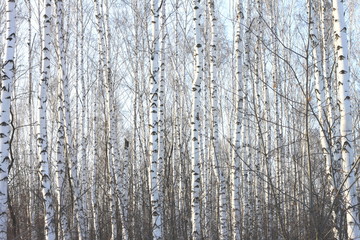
(161, 124)
(42, 137)
(94, 187)
(113, 156)
(322, 115)
(156, 208)
(236, 151)
(195, 123)
(100, 77)
(84, 120)
(78, 208)
(5, 128)
(347, 138)
(245, 136)
(61, 164)
(124, 196)
(219, 173)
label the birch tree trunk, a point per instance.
(135, 148)
(42, 137)
(156, 211)
(84, 120)
(258, 111)
(78, 208)
(94, 187)
(195, 123)
(5, 106)
(60, 165)
(334, 154)
(113, 157)
(245, 136)
(100, 77)
(215, 125)
(124, 196)
(319, 85)
(346, 127)
(236, 151)
(324, 117)
(161, 118)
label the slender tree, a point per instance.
(346, 123)
(96, 162)
(45, 177)
(161, 108)
(219, 173)
(7, 75)
(156, 210)
(236, 153)
(61, 163)
(195, 122)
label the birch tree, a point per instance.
(84, 116)
(42, 139)
(320, 94)
(61, 164)
(245, 136)
(161, 107)
(7, 76)
(344, 101)
(195, 123)
(113, 154)
(215, 125)
(236, 153)
(78, 208)
(156, 210)
(96, 155)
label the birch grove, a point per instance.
(169, 119)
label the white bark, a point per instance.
(113, 202)
(84, 122)
(195, 123)
(215, 124)
(5, 129)
(119, 183)
(273, 225)
(319, 87)
(94, 188)
(236, 152)
(207, 161)
(260, 143)
(61, 166)
(78, 208)
(100, 77)
(347, 138)
(161, 104)
(135, 148)
(334, 155)
(113, 157)
(245, 136)
(42, 137)
(124, 196)
(154, 164)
